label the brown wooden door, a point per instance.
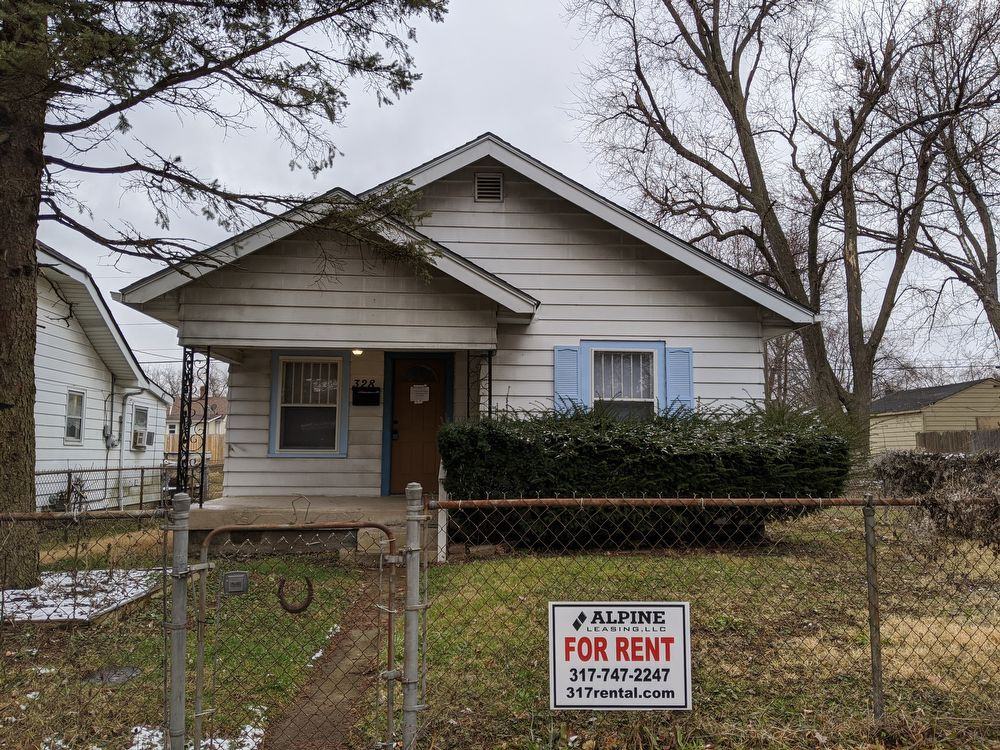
(418, 410)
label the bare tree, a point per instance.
(168, 377)
(792, 126)
(73, 73)
(962, 219)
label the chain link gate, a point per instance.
(302, 618)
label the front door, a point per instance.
(418, 410)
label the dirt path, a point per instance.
(344, 683)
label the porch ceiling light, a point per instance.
(357, 352)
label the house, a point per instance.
(214, 427)
(899, 417)
(542, 293)
(97, 416)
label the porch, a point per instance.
(246, 511)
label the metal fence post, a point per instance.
(874, 618)
(442, 519)
(179, 515)
(411, 629)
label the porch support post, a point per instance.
(184, 421)
(204, 426)
(442, 519)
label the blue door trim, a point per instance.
(387, 408)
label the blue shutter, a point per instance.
(680, 379)
(566, 378)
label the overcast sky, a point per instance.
(509, 67)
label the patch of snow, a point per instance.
(32, 696)
(329, 634)
(147, 738)
(77, 596)
(44, 670)
(250, 736)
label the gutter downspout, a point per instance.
(126, 395)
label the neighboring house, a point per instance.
(215, 427)
(218, 411)
(542, 292)
(898, 417)
(95, 409)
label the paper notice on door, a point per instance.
(419, 394)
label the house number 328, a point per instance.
(370, 383)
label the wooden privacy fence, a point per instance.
(959, 441)
(215, 447)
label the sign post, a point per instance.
(620, 656)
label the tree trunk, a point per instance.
(22, 118)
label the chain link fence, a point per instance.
(131, 487)
(780, 616)
(82, 607)
(82, 489)
(808, 619)
(293, 637)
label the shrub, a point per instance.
(961, 492)
(591, 454)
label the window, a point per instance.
(142, 436)
(623, 383)
(172, 429)
(489, 187)
(308, 404)
(74, 416)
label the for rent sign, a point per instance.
(617, 656)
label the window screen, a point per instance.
(624, 383)
(309, 404)
(74, 415)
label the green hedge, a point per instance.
(739, 454)
(589, 454)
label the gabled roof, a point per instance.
(486, 145)
(94, 316)
(234, 248)
(492, 146)
(917, 398)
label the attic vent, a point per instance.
(489, 187)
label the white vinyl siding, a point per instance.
(312, 288)
(593, 282)
(65, 360)
(251, 472)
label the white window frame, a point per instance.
(639, 350)
(338, 440)
(82, 393)
(136, 408)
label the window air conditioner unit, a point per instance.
(138, 439)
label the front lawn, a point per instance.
(58, 685)
(779, 634)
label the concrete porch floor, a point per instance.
(245, 511)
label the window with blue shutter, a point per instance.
(631, 378)
(680, 379)
(566, 378)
